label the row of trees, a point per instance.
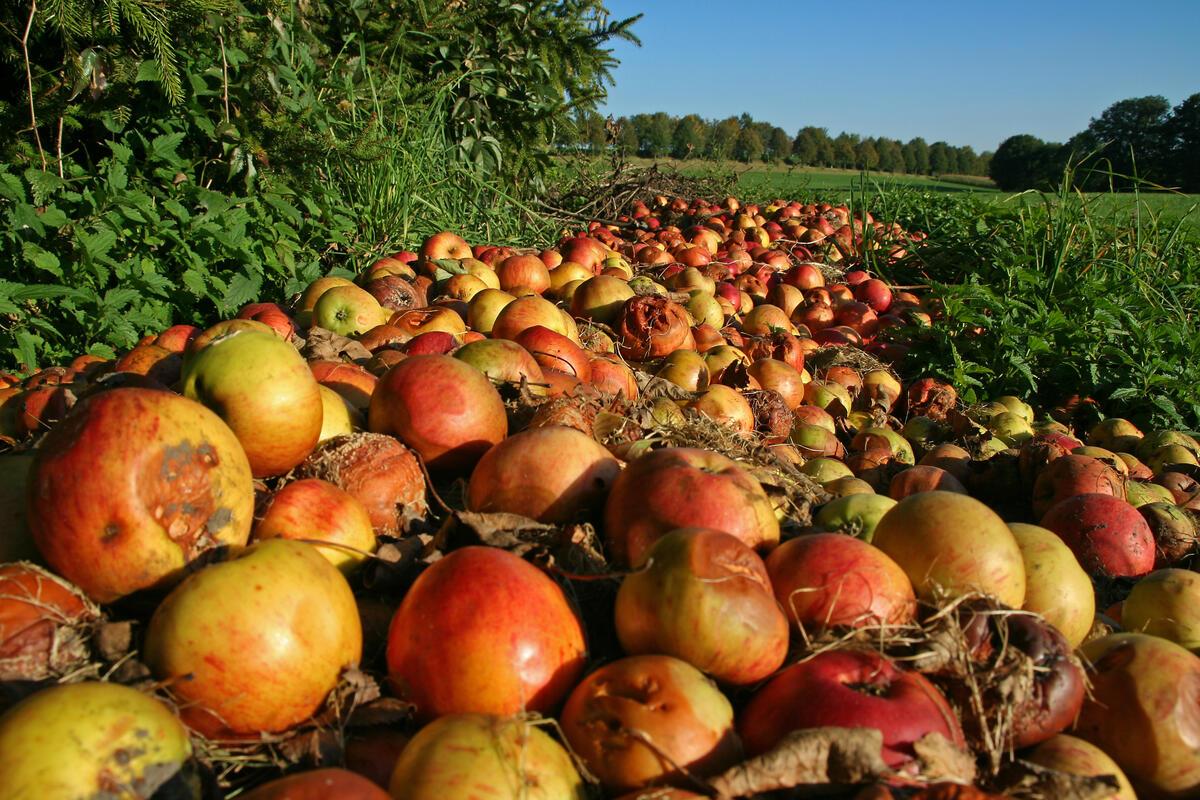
(748, 140)
(1141, 139)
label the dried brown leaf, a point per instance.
(941, 759)
(813, 756)
(1027, 781)
(325, 345)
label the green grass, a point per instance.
(761, 182)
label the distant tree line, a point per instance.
(745, 139)
(1139, 139)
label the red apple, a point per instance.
(704, 597)
(554, 351)
(318, 784)
(834, 580)
(553, 474)
(679, 487)
(483, 631)
(1106, 534)
(442, 407)
(314, 510)
(849, 689)
(445, 245)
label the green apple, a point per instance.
(262, 388)
(348, 310)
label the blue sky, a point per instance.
(965, 72)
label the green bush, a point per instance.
(180, 159)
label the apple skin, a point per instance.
(1074, 756)
(706, 598)
(1056, 587)
(834, 580)
(553, 474)
(109, 517)
(680, 487)
(504, 361)
(318, 784)
(554, 351)
(820, 692)
(666, 701)
(952, 543)
(444, 408)
(264, 638)
(600, 298)
(445, 244)
(1072, 475)
(855, 514)
(1106, 534)
(525, 312)
(351, 381)
(91, 739)
(316, 510)
(348, 310)
(482, 631)
(1143, 711)
(523, 270)
(270, 314)
(1166, 603)
(338, 417)
(377, 471)
(261, 387)
(469, 756)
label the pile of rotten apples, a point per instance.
(646, 514)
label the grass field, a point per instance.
(767, 181)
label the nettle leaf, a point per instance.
(163, 147)
(11, 187)
(121, 152)
(120, 298)
(195, 282)
(43, 183)
(42, 259)
(242, 289)
(96, 245)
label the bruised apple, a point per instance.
(649, 720)
(551, 474)
(705, 597)
(467, 756)
(951, 543)
(483, 631)
(680, 487)
(113, 517)
(254, 644)
(94, 740)
(1143, 710)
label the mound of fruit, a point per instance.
(652, 513)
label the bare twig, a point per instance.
(29, 81)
